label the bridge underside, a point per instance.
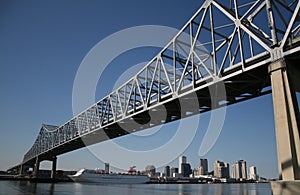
(212, 63)
(241, 87)
(244, 86)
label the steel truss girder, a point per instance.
(204, 49)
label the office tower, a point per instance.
(167, 171)
(252, 173)
(236, 172)
(244, 170)
(216, 165)
(182, 159)
(203, 167)
(239, 170)
(106, 167)
(225, 172)
(221, 169)
(174, 171)
(185, 169)
(150, 170)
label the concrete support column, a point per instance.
(21, 170)
(36, 167)
(53, 171)
(287, 131)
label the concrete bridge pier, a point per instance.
(286, 116)
(23, 169)
(36, 167)
(53, 170)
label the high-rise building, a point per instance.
(174, 171)
(216, 165)
(225, 171)
(252, 173)
(185, 169)
(203, 167)
(236, 172)
(244, 170)
(239, 170)
(221, 169)
(167, 171)
(182, 159)
(150, 170)
(106, 165)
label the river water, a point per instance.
(25, 187)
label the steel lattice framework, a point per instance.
(225, 41)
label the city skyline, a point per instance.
(238, 171)
(39, 65)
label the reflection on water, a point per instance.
(25, 187)
(242, 189)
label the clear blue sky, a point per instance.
(42, 46)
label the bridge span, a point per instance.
(251, 51)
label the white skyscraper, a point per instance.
(252, 173)
(235, 171)
(239, 170)
(221, 169)
(182, 159)
(244, 170)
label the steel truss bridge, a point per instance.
(246, 46)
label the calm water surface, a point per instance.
(24, 187)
